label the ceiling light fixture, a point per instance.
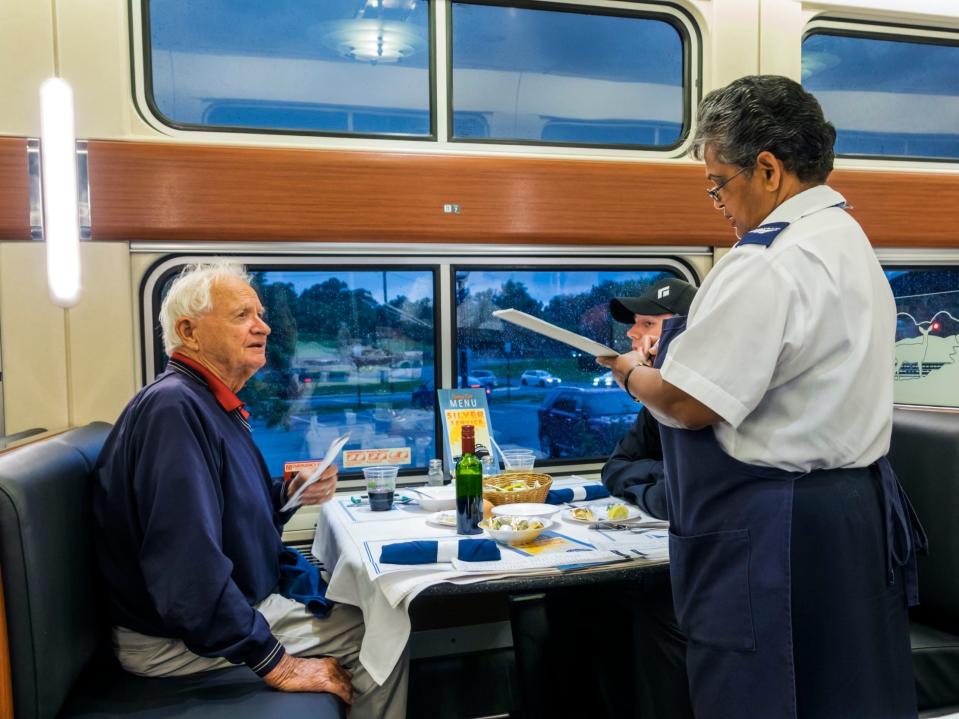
(58, 178)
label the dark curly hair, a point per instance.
(766, 113)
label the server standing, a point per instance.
(792, 546)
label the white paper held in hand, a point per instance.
(557, 333)
(334, 449)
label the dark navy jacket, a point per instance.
(188, 533)
(634, 471)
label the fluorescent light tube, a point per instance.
(58, 162)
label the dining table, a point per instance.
(349, 539)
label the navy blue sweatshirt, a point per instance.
(187, 527)
(634, 471)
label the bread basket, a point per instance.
(533, 494)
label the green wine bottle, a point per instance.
(469, 486)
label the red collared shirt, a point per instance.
(225, 397)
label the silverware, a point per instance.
(632, 526)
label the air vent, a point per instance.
(304, 549)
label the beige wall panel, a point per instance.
(26, 60)
(734, 42)
(94, 57)
(32, 331)
(780, 44)
(101, 335)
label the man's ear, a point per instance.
(186, 330)
(770, 169)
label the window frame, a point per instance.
(442, 260)
(674, 15)
(891, 32)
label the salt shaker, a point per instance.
(434, 477)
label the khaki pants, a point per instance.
(302, 634)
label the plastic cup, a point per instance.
(518, 460)
(380, 486)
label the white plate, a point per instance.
(436, 499)
(599, 512)
(526, 509)
(443, 519)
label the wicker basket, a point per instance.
(536, 495)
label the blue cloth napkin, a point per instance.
(427, 551)
(574, 494)
(301, 582)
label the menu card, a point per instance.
(457, 408)
(554, 332)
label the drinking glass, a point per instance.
(380, 485)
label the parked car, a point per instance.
(538, 378)
(604, 380)
(424, 396)
(475, 383)
(485, 378)
(584, 422)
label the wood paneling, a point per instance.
(14, 189)
(179, 192)
(903, 209)
(164, 192)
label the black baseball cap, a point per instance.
(669, 296)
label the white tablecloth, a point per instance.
(347, 540)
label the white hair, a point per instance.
(189, 296)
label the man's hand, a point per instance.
(621, 364)
(323, 674)
(649, 347)
(317, 493)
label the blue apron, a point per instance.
(731, 567)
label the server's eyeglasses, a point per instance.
(713, 192)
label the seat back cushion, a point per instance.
(925, 455)
(49, 573)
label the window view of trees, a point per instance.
(347, 350)
(545, 395)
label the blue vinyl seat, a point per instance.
(925, 455)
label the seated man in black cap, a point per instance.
(634, 471)
(646, 678)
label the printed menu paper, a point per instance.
(557, 333)
(335, 446)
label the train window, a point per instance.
(887, 96)
(567, 76)
(349, 349)
(544, 395)
(338, 66)
(927, 335)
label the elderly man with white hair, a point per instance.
(188, 521)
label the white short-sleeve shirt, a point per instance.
(793, 344)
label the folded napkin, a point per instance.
(301, 581)
(431, 551)
(574, 494)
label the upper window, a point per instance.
(544, 395)
(577, 76)
(927, 335)
(887, 96)
(337, 66)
